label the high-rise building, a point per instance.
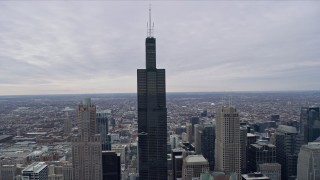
(35, 171)
(174, 141)
(227, 149)
(189, 132)
(86, 146)
(194, 120)
(260, 153)
(310, 123)
(67, 171)
(243, 149)
(197, 138)
(272, 170)
(287, 147)
(67, 124)
(152, 116)
(102, 129)
(193, 166)
(8, 172)
(111, 166)
(177, 160)
(309, 162)
(208, 143)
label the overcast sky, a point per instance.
(96, 47)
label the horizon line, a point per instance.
(171, 92)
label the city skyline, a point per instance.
(56, 47)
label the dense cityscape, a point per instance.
(158, 135)
(39, 128)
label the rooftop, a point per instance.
(36, 167)
(195, 159)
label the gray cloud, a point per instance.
(95, 47)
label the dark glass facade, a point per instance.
(207, 144)
(310, 123)
(152, 118)
(111, 167)
(102, 129)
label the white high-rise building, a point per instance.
(227, 149)
(86, 146)
(174, 141)
(309, 162)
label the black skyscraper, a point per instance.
(152, 117)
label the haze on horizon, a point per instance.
(96, 47)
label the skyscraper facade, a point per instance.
(310, 123)
(208, 143)
(102, 129)
(260, 153)
(67, 124)
(287, 148)
(111, 166)
(243, 149)
(152, 116)
(309, 162)
(227, 149)
(86, 146)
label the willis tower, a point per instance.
(152, 116)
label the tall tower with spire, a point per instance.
(152, 115)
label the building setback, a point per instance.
(152, 116)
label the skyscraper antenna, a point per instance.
(150, 28)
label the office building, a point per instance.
(174, 141)
(67, 124)
(111, 166)
(67, 171)
(243, 149)
(288, 145)
(152, 116)
(193, 166)
(35, 171)
(197, 138)
(55, 177)
(309, 162)
(86, 146)
(102, 129)
(194, 120)
(310, 123)
(208, 143)
(8, 172)
(260, 153)
(177, 161)
(272, 170)
(189, 132)
(227, 149)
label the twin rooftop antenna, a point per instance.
(150, 28)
